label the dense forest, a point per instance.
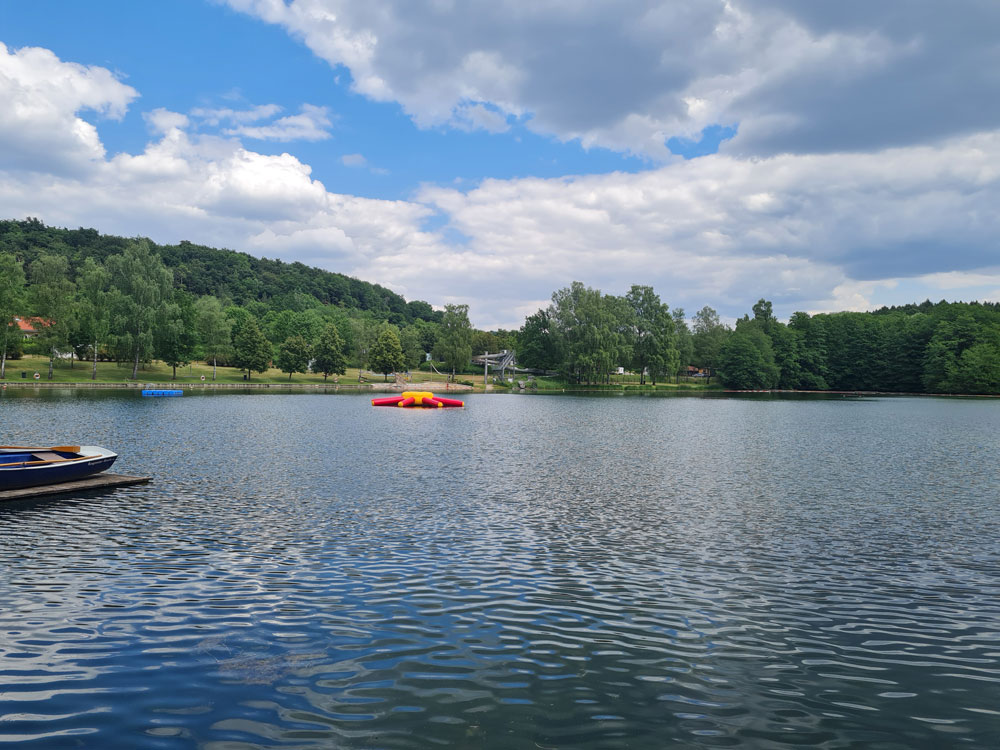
(100, 297)
(926, 348)
(235, 278)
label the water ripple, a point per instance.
(527, 572)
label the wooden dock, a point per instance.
(96, 482)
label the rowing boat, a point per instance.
(22, 466)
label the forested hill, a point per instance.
(232, 276)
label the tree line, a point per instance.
(129, 308)
(585, 335)
(101, 297)
(944, 347)
(947, 347)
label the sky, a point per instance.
(824, 156)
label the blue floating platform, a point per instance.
(158, 392)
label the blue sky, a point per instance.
(824, 157)
(206, 55)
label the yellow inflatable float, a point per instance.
(417, 398)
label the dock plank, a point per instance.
(96, 482)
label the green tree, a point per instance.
(420, 310)
(978, 370)
(293, 356)
(812, 350)
(328, 353)
(950, 341)
(214, 329)
(763, 314)
(364, 331)
(666, 359)
(175, 334)
(52, 297)
(413, 351)
(309, 323)
(141, 284)
(387, 353)
(854, 350)
(707, 337)
(454, 341)
(251, 349)
(746, 361)
(95, 307)
(537, 345)
(589, 330)
(239, 316)
(905, 340)
(685, 344)
(279, 326)
(428, 332)
(651, 330)
(785, 342)
(13, 302)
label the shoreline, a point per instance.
(452, 388)
(173, 385)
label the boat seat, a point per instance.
(47, 456)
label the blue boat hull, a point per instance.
(26, 475)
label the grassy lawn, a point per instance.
(626, 382)
(157, 372)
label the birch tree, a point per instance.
(12, 303)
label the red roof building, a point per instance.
(29, 326)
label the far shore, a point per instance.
(439, 386)
(208, 385)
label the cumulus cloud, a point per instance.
(809, 231)
(163, 120)
(40, 126)
(718, 230)
(205, 188)
(629, 74)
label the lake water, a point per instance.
(306, 571)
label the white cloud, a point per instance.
(950, 280)
(42, 96)
(478, 116)
(311, 124)
(163, 120)
(807, 231)
(628, 74)
(353, 160)
(698, 231)
(204, 188)
(216, 116)
(358, 161)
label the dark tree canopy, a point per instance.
(227, 274)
